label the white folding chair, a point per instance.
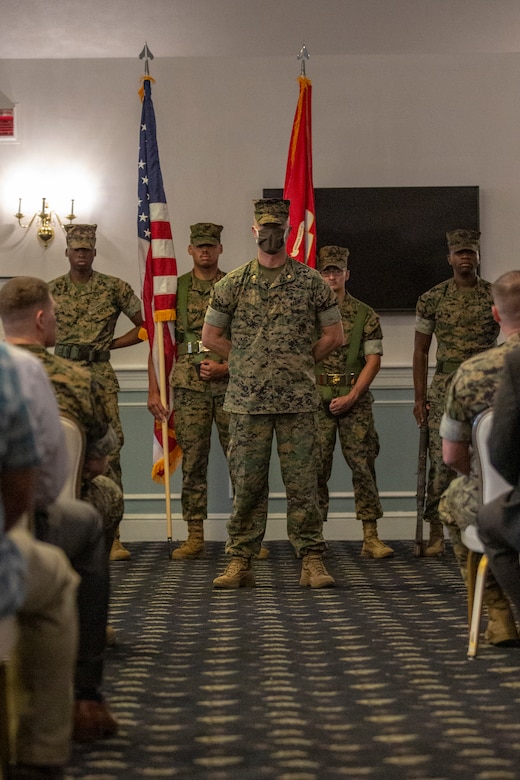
(75, 441)
(491, 485)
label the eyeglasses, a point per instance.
(332, 271)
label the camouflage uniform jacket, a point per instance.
(272, 330)
(472, 390)
(80, 397)
(461, 320)
(88, 313)
(184, 373)
(371, 340)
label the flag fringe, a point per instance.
(175, 458)
(165, 315)
(140, 91)
(142, 334)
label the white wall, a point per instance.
(223, 131)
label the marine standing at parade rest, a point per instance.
(88, 305)
(199, 380)
(272, 308)
(458, 313)
(344, 380)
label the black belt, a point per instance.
(82, 352)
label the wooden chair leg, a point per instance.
(472, 566)
(478, 600)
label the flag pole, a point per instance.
(159, 325)
(159, 330)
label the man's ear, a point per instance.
(496, 315)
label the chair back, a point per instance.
(491, 483)
(75, 442)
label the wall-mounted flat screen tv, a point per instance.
(396, 236)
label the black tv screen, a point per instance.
(396, 237)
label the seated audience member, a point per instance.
(76, 527)
(472, 390)
(499, 521)
(37, 582)
(27, 313)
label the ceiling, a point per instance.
(72, 29)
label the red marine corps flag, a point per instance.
(299, 188)
(158, 268)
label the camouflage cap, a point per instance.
(81, 236)
(271, 210)
(205, 233)
(463, 239)
(333, 255)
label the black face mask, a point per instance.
(271, 239)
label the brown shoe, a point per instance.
(237, 574)
(314, 573)
(263, 554)
(93, 720)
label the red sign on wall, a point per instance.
(6, 122)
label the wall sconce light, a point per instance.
(46, 220)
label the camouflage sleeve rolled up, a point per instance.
(371, 340)
(461, 319)
(79, 396)
(272, 330)
(88, 313)
(473, 389)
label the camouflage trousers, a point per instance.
(194, 416)
(114, 465)
(360, 447)
(457, 509)
(439, 475)
(249, 454)
(107, 497)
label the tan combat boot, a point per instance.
(237, 574)
(263, 554)
(314, 573)
(117, 551)
(501, 628)
(194, 544)
(435, 545)
(373, 547)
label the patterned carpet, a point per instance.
(366, 680)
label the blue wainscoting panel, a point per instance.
(396, 468)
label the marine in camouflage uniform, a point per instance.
(81, 398)
(344, 380)
(473, 390)
(273, 306)
(458, 313)
(88, 305)
(27, 311)
(199, 380)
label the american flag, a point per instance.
(158, 267)
(299, 188)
